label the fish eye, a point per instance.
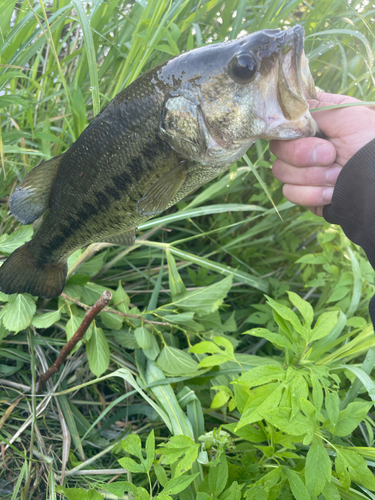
(243, 68)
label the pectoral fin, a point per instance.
(31, 198)
(125, 239)
(157, 198)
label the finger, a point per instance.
(308, 196)
(307, 176)
(304, 152)
(316, 211)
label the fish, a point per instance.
(173, 129)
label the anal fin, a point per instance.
(125, 239)
(31, 198)
(159, 195)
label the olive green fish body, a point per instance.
(175, 128)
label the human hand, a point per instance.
(309, 167)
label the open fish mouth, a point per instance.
(294, 83)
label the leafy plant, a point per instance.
(207, 388)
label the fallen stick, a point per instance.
(102, 302)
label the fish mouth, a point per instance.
(295, 83)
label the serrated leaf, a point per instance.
(131, 465)
(153, 351)
(205, 300)
(121, 299)
(349, 463)
(351, 417)
(175, 362)
(276, 339)
(79, 493)
(178, 484)
(318, 468)
(218, 476)
(18, 312)
(324, 325)
(143, 337)
(180, 449)
(296, 484)
(150, 450)
(287, 315)
(304, 308)
(332, 402)
(119, 487)
(261, 375)
(97, 350)
(111, 320)
(46, 320)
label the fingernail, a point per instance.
(322, 155)
(332, 174)
(327, 194)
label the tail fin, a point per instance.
(22, 273)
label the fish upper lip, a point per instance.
(290, 92)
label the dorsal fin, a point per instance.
(31, 198)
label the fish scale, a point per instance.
(172, 130)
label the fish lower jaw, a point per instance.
(282, 129)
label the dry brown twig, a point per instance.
(91, 313)
(113, 311)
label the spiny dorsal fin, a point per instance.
(125, 239)
(31, 198)
(160, 194)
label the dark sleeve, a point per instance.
(353, 203)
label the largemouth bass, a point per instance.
(172, 130)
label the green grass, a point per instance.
(61, 62)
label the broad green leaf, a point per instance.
(351, 417)
(318, 468)
(205, 300)
(261, 488)
(97, 350)
(143, 337)
(46, 320)
(121, 299)
(261, 375)
(111, 321)
(126, 338)
(150, 450)
(288, 315)
(206, 347)
(161, 474)
(175, 362)
(131, 465)
(260, 400)
(331, 492)
(233, 492)
(324, 325)
(10, 243)
(350, 463)
(276, 339)
(281, 418)
(332, 402)
(18, 312)
(304, 308)
(220, 399)
(79, 493)
(218, 476)
(178, 484)
(296, 484)
(180, 449)
(153, 351)
(119, 487)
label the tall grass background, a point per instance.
(61, 62)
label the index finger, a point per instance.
(304, 152)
